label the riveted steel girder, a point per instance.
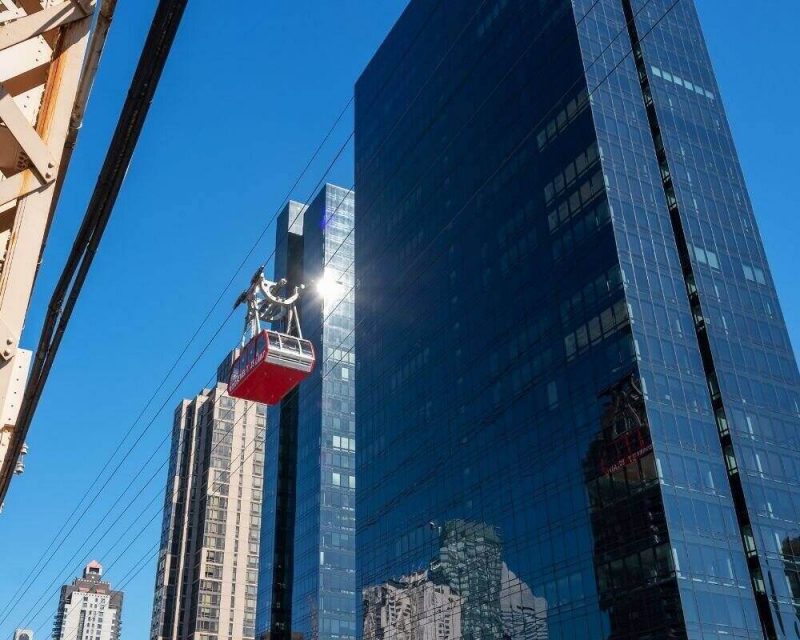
(49, 50)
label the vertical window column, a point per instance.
(703, 341)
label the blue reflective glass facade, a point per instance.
(276, 557)
(577, 401)
(307, 571)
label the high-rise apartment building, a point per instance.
(208, 564)
(568, 334)
(88, 609)
(307, 572)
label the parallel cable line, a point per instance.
(156, 548)
(172, 368)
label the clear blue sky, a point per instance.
(245, 98)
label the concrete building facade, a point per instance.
(88, 609)
(208, 564)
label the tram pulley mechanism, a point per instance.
(271, 363)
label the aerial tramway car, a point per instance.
(270, 363)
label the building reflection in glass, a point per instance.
(632, 556)
(466, 593)
(412, 607)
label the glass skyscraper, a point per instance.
(307, 569)
(578, 411)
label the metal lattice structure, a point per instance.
(49, 52)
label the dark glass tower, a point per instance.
(307, 567)
(569, 339)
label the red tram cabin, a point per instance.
(269, 366)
